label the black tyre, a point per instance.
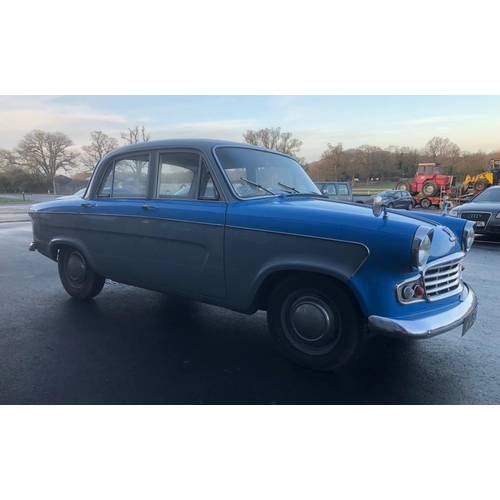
(425, 203)
(403, 186)
(410, 206)
(430, 188)
(315, 322)
(76, 275)
(390, 205)
(481, 185)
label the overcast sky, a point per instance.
(472, 122)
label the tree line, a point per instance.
(368, 162)
(41, 156)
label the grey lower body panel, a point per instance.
(429, 326)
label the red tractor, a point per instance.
(428, 180)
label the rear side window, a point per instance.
(127, 178)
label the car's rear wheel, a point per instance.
(315, 322)
(76, 275)
(410, 206)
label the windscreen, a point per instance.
(260, 173)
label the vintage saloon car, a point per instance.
(245, 228)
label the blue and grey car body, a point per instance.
(232, 251)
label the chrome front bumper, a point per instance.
(429, 326)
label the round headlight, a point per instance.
(421, 247)
(468, 236)
(424, 250)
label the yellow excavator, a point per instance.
(483, 180)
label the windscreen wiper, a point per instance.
(258, 186)
(288, 187)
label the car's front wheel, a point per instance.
(76, 275)
(315, 322)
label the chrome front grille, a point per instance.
(443, 279)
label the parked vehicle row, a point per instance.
(250, 232)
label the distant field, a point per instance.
(361, 188)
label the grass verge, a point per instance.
(13, 200)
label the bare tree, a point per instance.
(45, 154)
(438, 147)
(273, 138)
(405, 159)
(100, 145)
(334, 158)
(135, 135)
(7, 160)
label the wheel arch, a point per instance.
(57, 243)
(276, 276)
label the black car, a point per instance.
(483, 209)
(395, 198)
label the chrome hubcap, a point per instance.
(310, 323)
(310, 320)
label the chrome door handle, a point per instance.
(87, 204)
(150, 207)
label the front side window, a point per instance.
(127, 178)
(331, 189)
(178, 175)
(260, 173)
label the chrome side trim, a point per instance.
(426, 327)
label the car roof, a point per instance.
(203, 144)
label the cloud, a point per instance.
(442, 119)
(20, 115)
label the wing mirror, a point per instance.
(379, 206)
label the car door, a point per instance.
(344, 193)
(182, 227)
(406, 199)
(109, 218)
(331, 190)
